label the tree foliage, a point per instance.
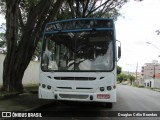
(2, 39)
(25, 21)
(119, 70)
(131, 78)
(93, 8)
(2, 35)
(122, 77)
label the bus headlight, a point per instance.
(43, 85)
(101, 88)
(48, 87)
(109, 87)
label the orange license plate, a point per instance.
(103, 96)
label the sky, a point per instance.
(134, 28)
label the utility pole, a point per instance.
(154, 70)
(136, 70)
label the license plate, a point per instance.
(103, 96)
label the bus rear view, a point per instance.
(78, 61)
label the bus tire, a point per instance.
(109, 105)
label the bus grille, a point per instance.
(75, 78)
(74, 96)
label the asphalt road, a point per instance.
(128, 99)
(136, 99)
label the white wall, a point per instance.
(155, 83)
(31, 75)
(1, 67)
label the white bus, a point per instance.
(78, 61)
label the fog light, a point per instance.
(55, 96)
(91, 97)
(109, 87)
(48, 87)
(43, 85)
(101, 88)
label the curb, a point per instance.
(10, 95)
(156, 90)
(37, 108)
(153, 89)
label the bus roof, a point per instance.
(79, 23)
(76, 19)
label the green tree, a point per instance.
(2, 39)
(2, 35)
(119, 69)
(95, 8)
(122, 77)
(131, 78)
(25, 21)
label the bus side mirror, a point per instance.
(119, 49)
(119, 52)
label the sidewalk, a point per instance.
(155, 89)
(22, 102)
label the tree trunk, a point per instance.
(10, 78)
(19, 54)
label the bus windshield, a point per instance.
(91, 50)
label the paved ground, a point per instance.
(128, 99)
(136, 99)
(21, 102)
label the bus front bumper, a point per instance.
(109, 96)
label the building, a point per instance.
(152, 83)
(151, 74)
(150, 70)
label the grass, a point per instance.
(141, 86)
(156, 89)
(31, 87)
(4, 94)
